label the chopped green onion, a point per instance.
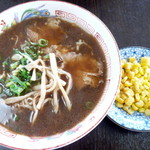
(16, 51)
(16, 57)
(16, 80)
(89, 104)
(2, 81)
(23, 61)
(17, 90)
(46, 56)
(18, 87)
(9, 83)
(6, 62)
(39, 52)
(15, 117)
(33, 48)
(42, 42)
(24, 75)
(34, 44)
(14, 65)
(31, 54)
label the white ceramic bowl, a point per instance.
(97, 28)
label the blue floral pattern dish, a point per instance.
(137, 121)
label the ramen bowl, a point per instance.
(94, 26)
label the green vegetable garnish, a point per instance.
(15, 89)
(89, 104)
(46, 56)
(18, 79)
(15, 117)
(18, 87)
(14, 65)
(23, 61)
(34, 44)
(2, 81)
(16, 51)
(24, 75)
(6, 63)
(32, 54)
(42, 42)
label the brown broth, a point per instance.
(49, 123)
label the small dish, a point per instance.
(137, 121)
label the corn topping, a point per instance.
(134, 93)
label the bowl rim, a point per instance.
(118, 83)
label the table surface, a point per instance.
(129, 22)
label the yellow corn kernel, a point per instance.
(136, 71)
(139, 104)
(132, 59)
(148, 84)
(141, 70)
(144, 93)
(136, 80)
(120, 100)
(141, 89)
(142, 98)
(135, 66)
(128, 66)
(148, 78)
(134, 107)
(121, 86)
(123, 96)
(128, 92)
(130, 74)
(122, 72)
(137, 97)
(125, 107)
(132, 88)
(124, 79)
(147, 105)
(145, 76)
(123, 61)
(146, 87)
(145, 61)
(127, 83)
(148, 93)
(130, 111)
(129, 101)
(119, 105)
(147, 70)
(145, 100)
(147, 112)
(127, 71)
(137, 88)
(145, 67)
(138, 75)
(141, 110)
